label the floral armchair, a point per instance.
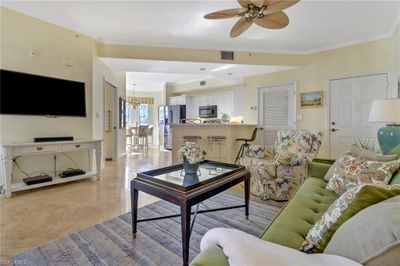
(277, 172)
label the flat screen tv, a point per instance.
(27, 94)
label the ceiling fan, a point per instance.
(264, 13)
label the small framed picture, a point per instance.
(311, 99)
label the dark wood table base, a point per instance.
(186, 200)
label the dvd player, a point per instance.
(71, 172)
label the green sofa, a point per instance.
(296, 218)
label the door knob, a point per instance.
(334, 129)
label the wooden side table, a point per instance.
(170, 184)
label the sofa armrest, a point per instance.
(211, 256)
(319, 167)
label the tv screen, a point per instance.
(27, 94)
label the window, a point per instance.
(128, 114)
(161, 114)
(143, 114)
(277, 110)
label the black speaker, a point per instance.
(51, 139)
(37, 179)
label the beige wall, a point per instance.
(109, 107)
(366, 58)
(119, 80)
(102, 73)
(198, 55)
(194, 88)
(53, 44)
(397, 44)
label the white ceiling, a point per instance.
(151, 75)
(314, 25)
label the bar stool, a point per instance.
(191, 138)
(246, 144)
(217, 141)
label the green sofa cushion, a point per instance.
(292, 224)
(395, 178)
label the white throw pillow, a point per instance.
(371, 234)
(243, 249)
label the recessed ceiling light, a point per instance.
(229, 74)
(202, 68)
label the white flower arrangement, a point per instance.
(192, 153)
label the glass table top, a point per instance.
(176, 176)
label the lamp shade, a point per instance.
(385, 110)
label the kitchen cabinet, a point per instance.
(224, 101)
(177, 100)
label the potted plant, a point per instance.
(191, 155)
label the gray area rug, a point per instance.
(157, 242)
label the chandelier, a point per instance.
(133, 100)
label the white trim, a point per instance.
(390, 93)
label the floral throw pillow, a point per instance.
(350, 171)
(347, 205)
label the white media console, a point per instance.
(10, 151)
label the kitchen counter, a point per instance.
(213, 125)
(219, 140)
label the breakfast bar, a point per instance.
(219, 140)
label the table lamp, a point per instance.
(388, 111)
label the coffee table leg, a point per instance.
(134, 205)
(247, 196)
(185, 224)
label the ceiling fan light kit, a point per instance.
(264, 13)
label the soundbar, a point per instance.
(51, 139)
(37, 179)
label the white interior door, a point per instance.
(350, 103)
(277, 110)
(110, 121)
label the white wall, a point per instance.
(238, 94)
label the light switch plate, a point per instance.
(299, 117)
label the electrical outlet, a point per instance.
(33, 53)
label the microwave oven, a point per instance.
(208, 111)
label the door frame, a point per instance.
(390, 90)
(260, 108)
(115, 117)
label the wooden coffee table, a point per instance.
(169, 184)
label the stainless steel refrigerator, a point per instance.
(175, 114)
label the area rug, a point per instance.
(157, 242)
